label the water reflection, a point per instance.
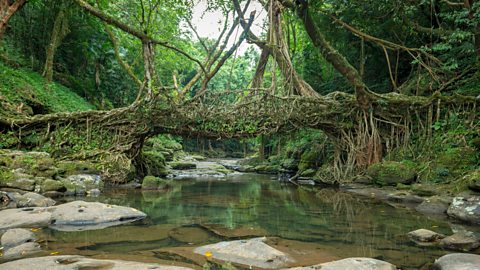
(196, 212)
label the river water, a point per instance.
(315, 224)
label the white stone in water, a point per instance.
(253, 252)
(458, 261)
(72, 262)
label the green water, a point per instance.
(339, 223)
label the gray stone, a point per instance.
(461, 241)
(51, 185)
(434, 205)
(424, 235)
(466, 209)
(457, 261)
(31, 199)
(72, 262)
(253, 253)
(21, 183)
(73, 216)
(25, 217)
(16, 237)
(23, 250)
(80, 215)
(82, 183)
(351, 264)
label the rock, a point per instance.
(22, 250)
(73, 216)
(457, 261)
(73, 262)
(253, 253)
(182, 165)
(462, 241)
(191, 235)
(53, 194)
(246, 168)
(31, 199)
(16, 237)
(466, 209)
(351, 264)
(424, 190)
(290, 164)
(424, 236)
(434, 205)
(25, 217)
(80, 184)
(20, 183)
(154, 163)
(94, 192)
(267, 169)
(390, 173)
(473, 180)
(154, 183)
(67, 168)
(404, 197)
(51, 185)
(80, 215)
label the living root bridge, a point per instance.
(361, 135)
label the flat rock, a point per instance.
(15, 237)
(424, 236)
(71, 262)
(25, 218)
(351, 264)
(80, 215)
(253, 252)
(23, 250)
(462, 241)
(457, 261)
(466, 209)
(31, 199)
(72, 216)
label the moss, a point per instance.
(308, 173)
(392, 173)
(6, 175)
(51, 185)
(309, 159)
(179, 165)
(290, 164)
(268, 169)
(67, 168)
(151, 182)
(154, 163)
(198, 157)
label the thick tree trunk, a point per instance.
(148, 61)
(59, 31)
(6, 12)
(339, 62)
(257, 81)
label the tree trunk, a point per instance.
(257, 81)
(148, 61)
(339, 62)
(59, 31)
(6, 12)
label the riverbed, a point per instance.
(316, 225)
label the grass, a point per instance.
(19, 86)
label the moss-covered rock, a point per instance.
(391, 173)
(267, 169)
(151, 182)
(454, 161)
(154, 163)
(289, 164)
(182, 165)
(67, 168)
(424, 190)
(472, 180)
(309, 159)
(51, 185)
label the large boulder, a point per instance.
(466, 209)
(253, 253)
(457, 261)
(351, 264)
(154, 183)
(434, 205)
(25, 218)
(30, 199)
(391, 173)
(80, 215)
(81, 184)
(18, 183)
(51, 185)
(182, 165)
(73, 216)
(73, 262)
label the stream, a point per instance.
(318, 224)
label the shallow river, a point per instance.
(316, 225)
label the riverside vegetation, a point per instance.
(377, 99)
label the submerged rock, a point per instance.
(457, 261)
(466, 209)
(22, 250)
(461, 241)
(73, 262)
(351, 264)
(253, 252)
